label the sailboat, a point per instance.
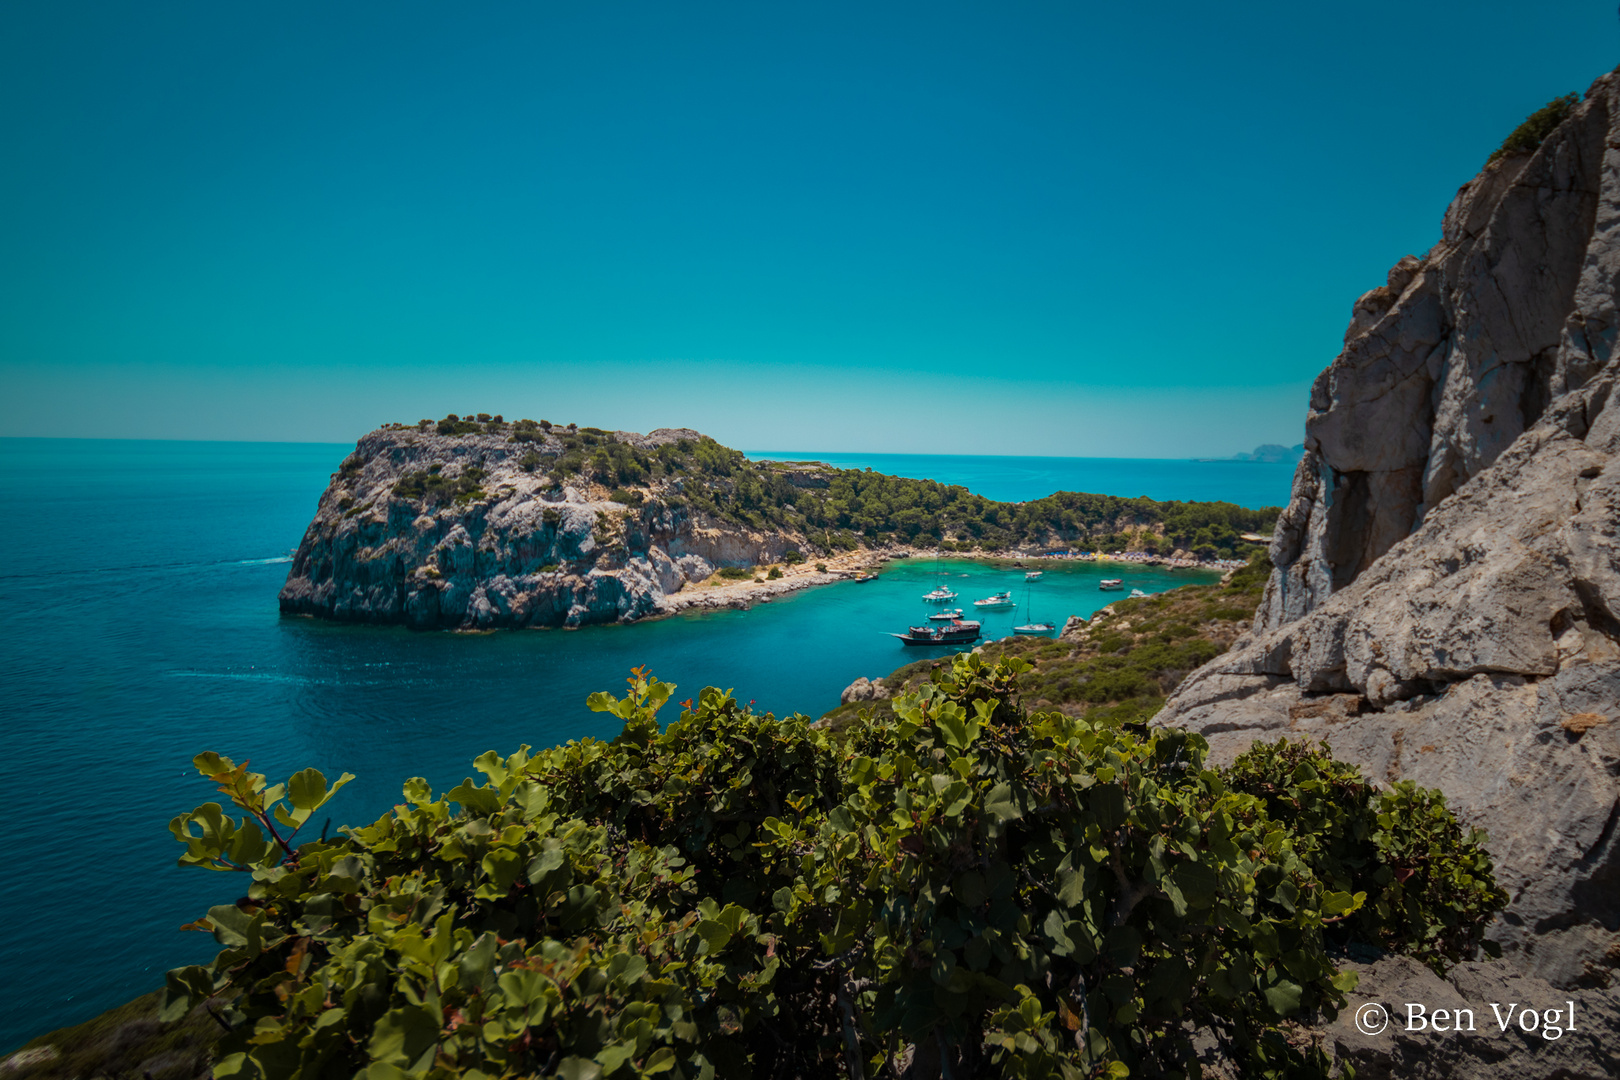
(1032, 627)
(942, 593)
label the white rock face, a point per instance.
(1444, 606)
(517, 552)
(1457, 355)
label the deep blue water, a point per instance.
(138, 626)
(1020, 479)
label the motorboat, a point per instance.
(865, 577)
(946, 616)
(1000, 599)
(1032, 575)
(1110, 584)
(1137, 594)
(956, 632)
(941, 595)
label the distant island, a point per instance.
(1268, 454)
(475, 522)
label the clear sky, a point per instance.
(1027, 228)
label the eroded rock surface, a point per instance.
(1447, 584)
(499, 544)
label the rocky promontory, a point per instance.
(1445, 601)
(495, 527)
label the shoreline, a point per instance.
(720, 594)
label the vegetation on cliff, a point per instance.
(838, 509)
(965, 888)
(1528, 136)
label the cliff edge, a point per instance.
(1446, 585)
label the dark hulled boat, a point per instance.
(956, 633)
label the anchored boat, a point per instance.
(1111, 584)
(954, 633)
(946, 616)
(1000, 599)
(941, 595)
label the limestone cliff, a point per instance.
(1447, 575)
(466, 531)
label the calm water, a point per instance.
(1019, 479)
(138, 626)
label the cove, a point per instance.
(139, 624)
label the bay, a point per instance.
(138, 627)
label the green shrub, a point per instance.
(1528, 136)
(1030, 895)
(775, 572)
(793, 558)
(628, 497)
(736, 573)
(529, 462)
(821, 568)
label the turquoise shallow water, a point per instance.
(138, 626)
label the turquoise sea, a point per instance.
(138, 626)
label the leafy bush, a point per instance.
(736, 573)
(793, 558)
(1528, 136)
(775, 572)
(821, 568)
(1000, 893)
(629, 497)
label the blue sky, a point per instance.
(1021, 228)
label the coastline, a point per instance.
(721, 594)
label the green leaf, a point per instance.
(1284, 996)
(715, 934)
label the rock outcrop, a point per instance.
(464, 532)
(1445, 604)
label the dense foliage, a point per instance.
(841, 509)
(1536, 127)
(960, 889)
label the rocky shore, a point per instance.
(464, 532)
(1445, 604)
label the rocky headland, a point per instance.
(477, 523)
(1445, 600)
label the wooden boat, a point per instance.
(954, 633)
(1000, 599)
(1110, 584)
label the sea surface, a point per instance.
(138, 627)
(1020, 479)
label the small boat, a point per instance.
(956, 633)
(865, 577)
(1001, 599)
(1032, 575)
(941, 595)
(1137, 594)
(1030, 626)
(946, 616)
(1109, 584)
